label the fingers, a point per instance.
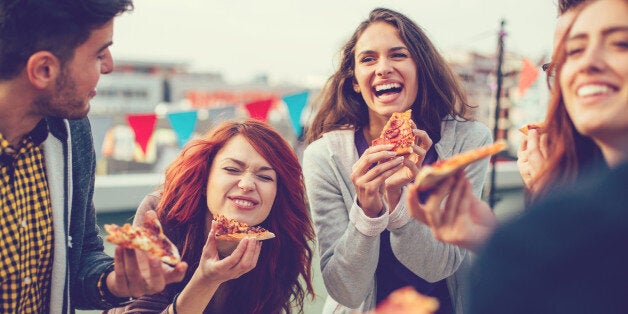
(414, 205)
(251, 255)
(543, 147)
(523, 146)
(175, 274)
(244, 257)
(533, 140)
(434, 201)
(373, 154)
(423, 140)
(209, 249)
(455, 202)
(380, 172)
(150, 214)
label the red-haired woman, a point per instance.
(243, 170)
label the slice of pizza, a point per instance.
(149, 238)
(430, 175)
(233, 230)
(540, 126)
(407, 300)
(398, 131)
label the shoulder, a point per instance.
(461, 135)
(334, 141)
(465, 127)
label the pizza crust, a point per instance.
(234, 230)
(429, 176)
(148, 238)
(540, 126)
(265, 235)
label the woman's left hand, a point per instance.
(411, 165)
(242, 260)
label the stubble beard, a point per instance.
(63, 102)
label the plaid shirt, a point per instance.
(26, 238)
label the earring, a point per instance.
(356, 88)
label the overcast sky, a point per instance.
(297, 39)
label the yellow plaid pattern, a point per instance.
(26, 238)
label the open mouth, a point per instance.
(592, 90)
(388, 89)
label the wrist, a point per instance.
(106, 295)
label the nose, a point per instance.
(384, 68)
(593, 59)
(246, 182)
(106, 65)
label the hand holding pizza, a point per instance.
(412, 164)
(369, 181)
(242, 260)
(531, 155)
(464, 220)
(137, 273)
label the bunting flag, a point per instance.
(143, 126)
(259, 109)
(183, 124)
(295, 104)
(529, 73)
(100, 126)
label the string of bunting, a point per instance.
(184, 122)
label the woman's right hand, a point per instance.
(464, 220)
(369, 182)
(531, 156)
(242, 260)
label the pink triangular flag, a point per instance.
(259, 109)
(529, 73)
(143, 126)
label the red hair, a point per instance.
(571, 153)
(183, 212)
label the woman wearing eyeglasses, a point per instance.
(586, 129)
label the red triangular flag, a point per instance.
(529, 73)
(259, 109)
(143, 126)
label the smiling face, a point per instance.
(594, 78)
(385, 73)
(76, 84)
(241, 183)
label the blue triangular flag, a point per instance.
(183, 124)
(295, 104)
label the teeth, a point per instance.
(589, 90)
(243, 203)
(387, 86)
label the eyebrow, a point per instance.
(243, 164)
(605, 32)
(105, 46)
(393, 49)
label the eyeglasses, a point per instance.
(550, 71)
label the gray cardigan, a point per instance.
(349, 240)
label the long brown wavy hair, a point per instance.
(571, 153)
(439, 92)
(273, 285)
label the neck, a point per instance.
(615, 152)
(16, 117)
